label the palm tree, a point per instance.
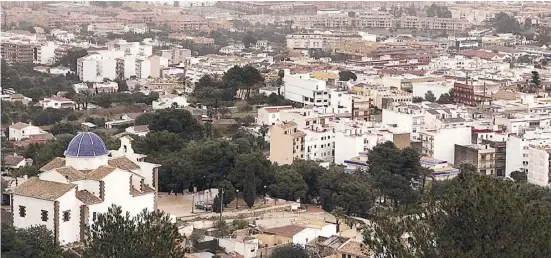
(427, 172)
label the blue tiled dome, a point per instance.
(86, 144)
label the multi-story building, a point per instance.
(482, 156)
(440, 143)
(18, 51)
(98, 65)
(157, 63)
(473, 93)
(270, 115)
(143, 67)
(286, 143)
(517, 155)
(301, 88)
(539, 169)
(319, 143)
(322, 41)
(431, 23)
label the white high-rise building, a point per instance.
(301, 88)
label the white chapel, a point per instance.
(69, 192)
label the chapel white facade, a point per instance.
(69, 192)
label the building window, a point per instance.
(94, 215)
(66, 216)
(22, 211)
(44, 215)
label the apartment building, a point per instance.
(405, 118)
(20, 51)
(431, 23)
(157, 63)
(473, 93)
(319, 142)
(517, 155)
(539, 169)
(302, 88)
(324, 41)
(126, 66)
(440, 143)
(97, 66)
(270, 115)
(286, 143)
(385, 100)
(482, 156)
(143, 67)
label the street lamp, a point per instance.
(237, 199)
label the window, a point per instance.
(22, 211)
(66, 216)
(94, 216)
(44, 215)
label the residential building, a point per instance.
(286, 143)
(355, 248)
(170, 101)
(139, 130)
(98, 87)
(301, 88)
(323, 41)
(440, 143)
(57, 103)
(295, 234)
(405, 118)
(482, 156)
(157, 63)
(517, 155)
(349, 143)
(270, 115)
(539, 169)
(319, 143)
(180, 55)
(143, 67)
(98, 65)
(19, 51)
(70, 192)
(473, 93)
(15, 161)
(442, 170)
(19, 131)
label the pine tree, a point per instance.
(216, 204)
(249, 189)
(536, 82)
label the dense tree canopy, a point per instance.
(346, 75)
(504, 23)
(149, 234)
(438, 11)
(429, 96)
(36, 241)
(479, 216)
(290, 251)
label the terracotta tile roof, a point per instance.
(41, 189)
(87, 197)
(58, 99)
(100, 173)
(12, 160)
(71, 173)
(288, 231)
(55, 163)
(277, 109)
(356, 248)
(141, 128)
(19, 126)
(123, 163)
(41, 137)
